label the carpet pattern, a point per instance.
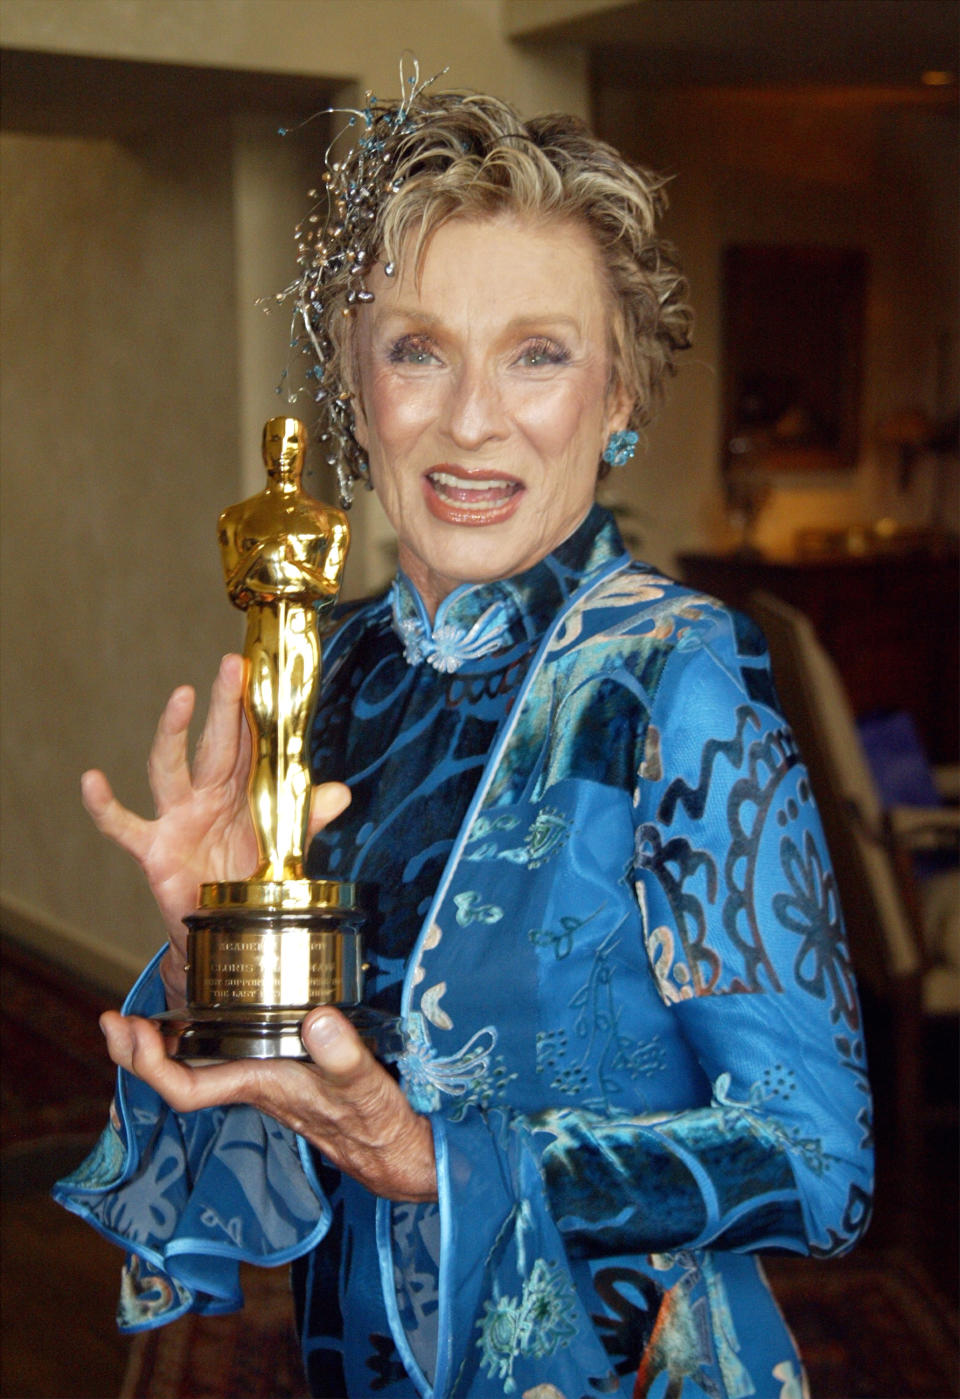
(252, 1354)
(57, 1079)
(870, 1326)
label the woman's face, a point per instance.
(484, 398)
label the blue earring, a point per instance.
(620, 448)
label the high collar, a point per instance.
(480, 619)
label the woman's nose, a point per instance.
(474, 412)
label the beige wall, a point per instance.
(352, 40)
(138, 370)
(118, 450)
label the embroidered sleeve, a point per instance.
(745, 940)
(192, 1195)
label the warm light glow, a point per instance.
(937, 77)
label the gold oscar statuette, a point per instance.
(261, 951)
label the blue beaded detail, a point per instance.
(620, 448)
(447, 646)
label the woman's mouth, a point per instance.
(471, 498)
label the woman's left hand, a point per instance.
(343, 1102)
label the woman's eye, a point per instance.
(540, 352)
(412, 349)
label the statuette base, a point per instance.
(253, 972)
(204, 1036)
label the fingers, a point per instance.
(167, 770)
(111, 818)
(383, 1143)
(219, 749)
(167, 765)
(135, 1045)
(327, 801)
(283, 1089)
(138, 1046)
(344, 1103)
(334, 1046)
(224, 731)
(368, 1127)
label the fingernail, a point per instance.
(322, 1031)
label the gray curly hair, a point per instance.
(435, 157)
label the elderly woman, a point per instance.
(602, 906)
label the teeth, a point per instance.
(461, 483)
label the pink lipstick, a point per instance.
(480, 496)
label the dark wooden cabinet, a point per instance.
(890, 621)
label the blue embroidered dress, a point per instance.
(601, 902)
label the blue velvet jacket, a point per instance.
(629, 1013)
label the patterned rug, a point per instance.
(250, 1355)
(869, 1327)
(57, 1080)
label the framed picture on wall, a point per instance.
(792, 353)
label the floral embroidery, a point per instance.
(485, 826)
(448, 646)
(537, 1325)
(597, 1025)
(103, 1165)
(810, 1150)
(812, 911)
(146, 1295)
(432, 1009)
(551, 1048)
(233, 1228)
(427, 1075)
(793, 1382)
(545, 837)
(470, 909)
(672, 974)
(562, 941)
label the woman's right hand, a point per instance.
(202, 830)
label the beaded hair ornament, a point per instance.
(335, 244)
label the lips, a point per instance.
(476, 497)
